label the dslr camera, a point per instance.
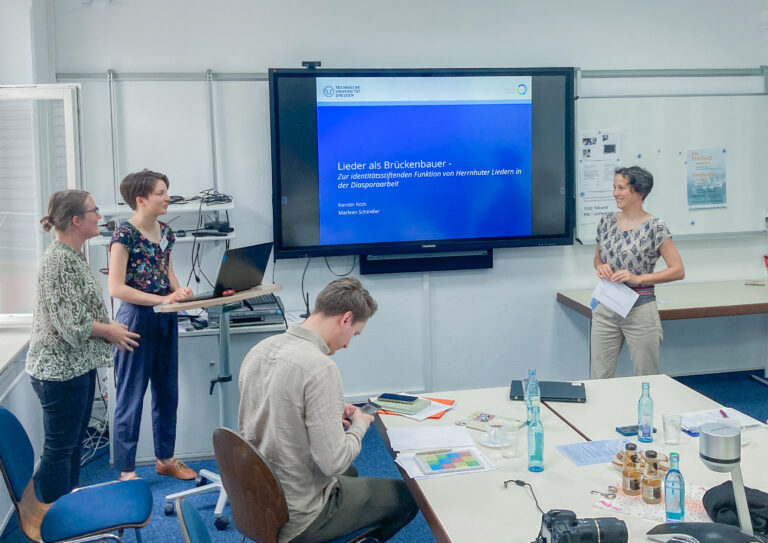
(562, 526)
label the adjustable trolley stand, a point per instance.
(208, 481)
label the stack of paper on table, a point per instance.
(435, 408)
(404, 408)
(436, 440)
(417, 438)
(692, 421)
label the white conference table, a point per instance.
(615, 403)
(473, 507)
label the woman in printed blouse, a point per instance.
(629, 244)
(141, 275)
(71, 334)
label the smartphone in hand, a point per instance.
(370, 408)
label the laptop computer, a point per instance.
(552, 391)
(241, 269)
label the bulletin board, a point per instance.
(658, 133)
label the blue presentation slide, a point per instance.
(424, 171)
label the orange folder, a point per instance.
(435, 416)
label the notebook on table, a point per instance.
(241, 269)
(552, 391)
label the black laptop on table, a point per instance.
(241, 269)
(552, 391)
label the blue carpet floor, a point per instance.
(373, 461)
(735, 389)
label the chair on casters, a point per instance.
(192, 526)
(90, 513)
(258, 504)
(206, 481)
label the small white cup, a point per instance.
(501, 434)
(510, 448)
(672, 426)
(496, 433)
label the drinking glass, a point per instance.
(672, 426)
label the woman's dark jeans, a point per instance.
(66, 413)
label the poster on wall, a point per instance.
(598, 159)
(706, 178)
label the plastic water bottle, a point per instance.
(674, 490)
(535, 441)
(645, 415)
(532, 394)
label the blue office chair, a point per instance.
(85, 514)
(192, 525)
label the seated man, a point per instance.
(292, 410)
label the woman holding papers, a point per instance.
(629, 243)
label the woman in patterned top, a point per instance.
(71, 334)
(141, 275)
(628, 245)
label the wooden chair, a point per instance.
(86, 514)
(258, 504)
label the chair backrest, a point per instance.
(255, 495)
(17, 465)
(16, 454)
(193, 527)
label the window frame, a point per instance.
(69, 95)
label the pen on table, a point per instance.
(724, 414)
(436, 451)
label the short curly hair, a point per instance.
(639, 179)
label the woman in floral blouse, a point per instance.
(141, 275)
(71, 334)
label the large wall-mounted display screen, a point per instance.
(402, 161)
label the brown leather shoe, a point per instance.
(176, 469)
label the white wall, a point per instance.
(439, 330)
(15, 42)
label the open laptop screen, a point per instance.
(241, 269)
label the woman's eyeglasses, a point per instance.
(94, 210)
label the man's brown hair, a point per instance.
(346, 294)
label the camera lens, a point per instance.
(611, 530)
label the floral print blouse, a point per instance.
(67, 301)
(148, 262)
